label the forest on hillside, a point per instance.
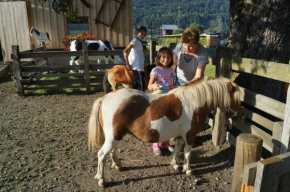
(212, 14)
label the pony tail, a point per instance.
(96, 137)
(106, 84)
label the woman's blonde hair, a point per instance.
(190, 35)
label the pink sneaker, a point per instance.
(167, 145)
(156, 149)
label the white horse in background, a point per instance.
(99, 45)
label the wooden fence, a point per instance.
(265, 117)
(275, 134)
(30, 76)
(267, 175)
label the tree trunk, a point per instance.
(260, 30)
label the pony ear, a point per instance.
(230, 87)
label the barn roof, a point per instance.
(169, 27)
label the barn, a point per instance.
(168, 29)
(109, 20)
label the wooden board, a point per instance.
(247, 127)
(13, 18)
(266, 104)
(259, 119)
(278, 71)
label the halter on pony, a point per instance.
(179, 114)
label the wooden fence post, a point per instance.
(87, 68)
(276, 137)
(218, 64)
(223, 69)
(152, 51)
(17, 68)
(248, 150)
(45, 58)
(286, 127)
(32, 47)
(219, 132)
(224, 62)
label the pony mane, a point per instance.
(212, 91)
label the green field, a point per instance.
(210, 70)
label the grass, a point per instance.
(210, 70)
(95, 87)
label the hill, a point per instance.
(212, 14)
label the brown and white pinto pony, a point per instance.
(180, 114)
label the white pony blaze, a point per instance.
(179, 114)
(97, 45)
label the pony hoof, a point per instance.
(188, 173)
(119, 168)
(113, 166)
(176, 167)
(96, 176)
(101, 183)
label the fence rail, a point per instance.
(265, 117)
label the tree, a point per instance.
(220, 26)
(177, 31)
(197, 26)
(260, 30)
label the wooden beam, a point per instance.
(219, 132)
(224, 70)
(248, 150)
(3, 70)
(152, 51)
(268, 124)
(277, 71)
(52, 68)
(266, 104)
(85, 3)
(17, 68)
(87, 70)
(223, 62)
(249, 174)
(276, 137)
(285, 146)
(247, 127)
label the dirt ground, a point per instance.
(43, 147)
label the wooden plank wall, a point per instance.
(15, 17)
(13, 27)
(44, 18)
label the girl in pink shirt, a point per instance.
(161, 81)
